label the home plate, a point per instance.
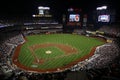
(48, 52)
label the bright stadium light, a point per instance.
(101, 8)
(44, 8)
(33, 15)
(104, 7)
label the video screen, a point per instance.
(41, 12)
(74, 18)
(103, 18)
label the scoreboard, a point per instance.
(74, 18)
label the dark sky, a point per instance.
(29, 7)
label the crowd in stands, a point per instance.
(113, 30)
(25, 21)
(103, 56)
(7, 48)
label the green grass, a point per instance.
(57, 58)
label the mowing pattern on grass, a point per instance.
(62, 50)
(45, 49)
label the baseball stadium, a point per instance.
(75, 48)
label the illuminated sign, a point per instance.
(74, 17)
(42, 15)
(103, 18)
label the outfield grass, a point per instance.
(57, 58)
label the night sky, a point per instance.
(29, 7)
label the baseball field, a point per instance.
(53, 52)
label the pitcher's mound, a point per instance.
(48, 52)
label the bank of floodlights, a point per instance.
(101, 8)
(43, 8)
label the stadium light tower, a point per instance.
(43, 10)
